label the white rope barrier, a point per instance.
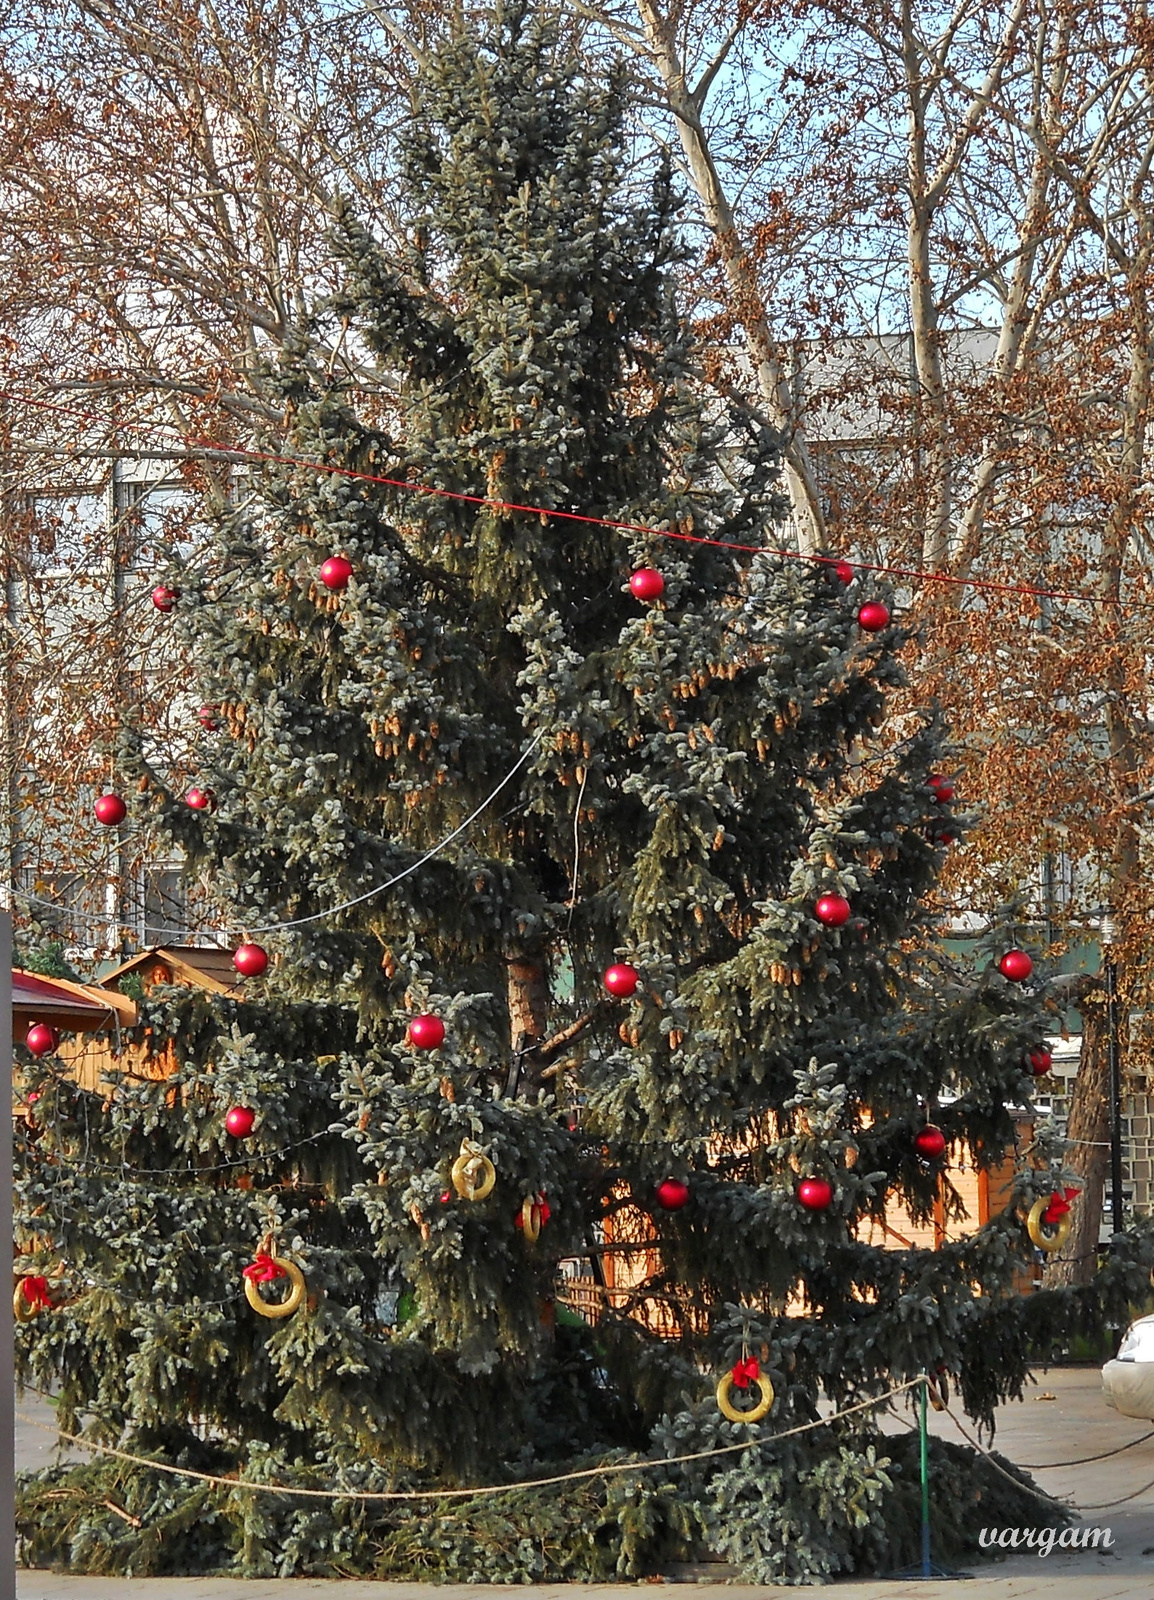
(221, 1481)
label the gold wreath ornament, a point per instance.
(1046, 1235)
(268, 1308)
(473, 1174)
(29, 1298)
(532, 1216)
(755, 1413)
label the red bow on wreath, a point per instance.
(1059, 1206)
(264, 1269)
(36, 1293)
(745, 1373)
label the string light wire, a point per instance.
(330, 911)
(219, 449)
(272, 458)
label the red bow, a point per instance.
(264, 1269)
(36, 1293)
(1059, 1205)
(745, 1373)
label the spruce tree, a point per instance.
(460, 787)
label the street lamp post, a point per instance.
(1109, 937)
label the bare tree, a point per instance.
(168, 183)
(167, 180)
(746, 296)
(942, 211)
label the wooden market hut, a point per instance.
(93, 1058)
(85, 1015)
(984, 1193)
(67, 1006)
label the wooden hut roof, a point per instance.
(61, 1003)
(195, 966)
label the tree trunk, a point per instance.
(930, 420)
(1028, 301)
(528, 1013)
(1089, 1104)
(924, 71)
(746, 299)
(1088, 1129)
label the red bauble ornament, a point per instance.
(1015, 965)
(832, 910)
(336, 572)
(942, 787)
(1039, 1061)
(426, 1032)
(647, 584)
(207, 717)
(240, 1121)
(41, 1039)
(844, 572)
(164, 598)
(929, 1142)
(672, 1194)
(200, 799)
(110, 810)
(873, 616)
(622, 980)
(815, 1194)
(250, 960)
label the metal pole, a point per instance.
(1111, 972)
(925, 1471)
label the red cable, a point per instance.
(243, 454)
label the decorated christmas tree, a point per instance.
(584, 898)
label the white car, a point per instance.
(1128, 1380)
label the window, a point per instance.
(164, 907)
(67, 533)
(71, 905)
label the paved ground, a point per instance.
(1073, 1423)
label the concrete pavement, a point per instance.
(1090, 1584)
(1073, 1423)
